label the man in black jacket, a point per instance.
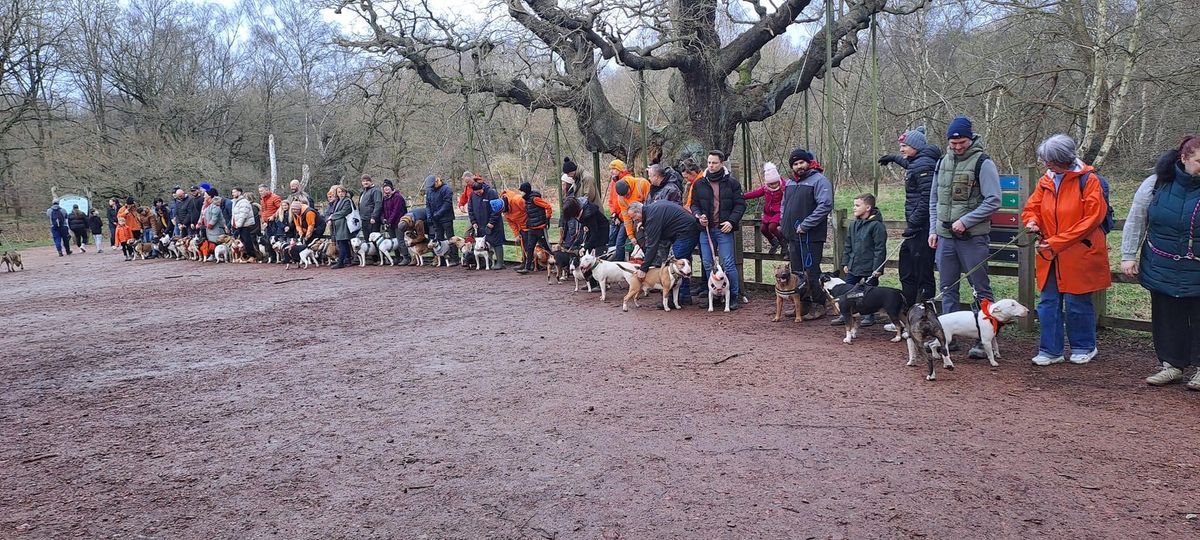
(718, 204)
(183, 219)
(919, 158)
(666, 225)
(113, 207)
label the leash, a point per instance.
(955, 284)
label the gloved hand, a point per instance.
(908, 233)
(884, 160)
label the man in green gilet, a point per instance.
(965, 194)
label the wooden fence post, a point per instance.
(839, 238)
(738, 258)
(758, 251)
(1026, 256)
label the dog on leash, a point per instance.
(554, 273)
(12, 260)
(926, 337)
(862, 300)
(307, 256)
(483, 253)
(441, 253)
(983, 325)
(541, 259)
(606, 272)
(578, 274)
(666, 278)
(787, 289)
(718, 286)
(418, 246)
(387, 247)
(140, 249)
(466, 250)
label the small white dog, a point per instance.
(483, 253)
(606, 272)
(221, 253)
(718, 285)
(984, 326)
(441, 253)
(307, 257)
(364, 249)
(386, 247)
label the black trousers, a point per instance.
(534, 237)
(1176, 326)
(369, 228)
(81, 237)
(916, 269)
(246, 235)
(812, 252)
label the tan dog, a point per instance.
(12, 260)
(418, 245)
(141, 249)
(554, 273)
(786, 289)
(666, 278)
(541, 258)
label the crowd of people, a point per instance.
(949, 203)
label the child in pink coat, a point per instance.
(772, 193)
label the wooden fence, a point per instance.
(1013, 261)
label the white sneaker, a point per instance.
(1167, 375)
(1194, 384)
(889, 327)
(1084, 357)
(1043, 359)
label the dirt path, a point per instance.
(176, 400)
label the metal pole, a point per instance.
(470, 136)
(875, 110)
(642, 113)
(826, 89)
(807, 137)
(746, 155)
(558, 157)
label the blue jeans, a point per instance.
(852, 279)
(682, 249)
(724, 244)
(61, 239)
(1080, 320)
(147, 234)
(617, 238)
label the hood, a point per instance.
(429, 181)
(929, 151)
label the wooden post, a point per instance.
(738, 259)
(746, 155)
(642, 115)
(1026, 257)
(758, 251)
(1100, 301)
(558, 157)
(839, 238)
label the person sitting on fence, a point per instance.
(919, 159)
(1066, 210)
(1162, 226)
(771, 192)
(718, 204)
(964, 195)
(807, 202)
(866, 250)
(662, 186)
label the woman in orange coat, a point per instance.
(1066, 210)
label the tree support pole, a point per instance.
(596, 179)
(826, 90)
(875, 172)
(642, 115)
(558, 157)
(746, 155)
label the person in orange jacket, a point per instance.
(616, 231)
(122, 238)
(130, 213)
(538, 214)
(1066, 210)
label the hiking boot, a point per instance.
(499, 267)
(954, 347)
(774, 248)
(869, 320)
(783, 251)
(1083, 358)
(522, 270)
(734, 305)
(1194, 384)
(685, 300)
(60, 254)
(1167, 375)
(1044, 359)
(815, 313)
(977, 352)
(839, 321)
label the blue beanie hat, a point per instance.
(496, 204)
(915, 138)
(205, 186)
(960, 127)
(799, 154)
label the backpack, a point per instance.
(58, 218)
(1107, 224)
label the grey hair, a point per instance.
(656, 169)
(264, 186)
(635, 207)
(468, 174)
(1059, 149)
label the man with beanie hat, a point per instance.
(718, 204)
(370, 206)
(964, 195)
(804, 223)
(538, 213)
(439, 200)
(484, 219)
(571, 182)
(919, 159)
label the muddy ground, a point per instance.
(167, 399)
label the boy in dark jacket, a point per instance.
(919, 158)
(484, 219)
(866, 249)
(97, 228)
(718, 204)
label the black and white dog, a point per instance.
(926, 337)
(861, 300)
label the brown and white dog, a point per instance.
(554, 273)
(787, 289)
(418, 245)
(666, 278)
(466, 250)
(541, 258)
(140, 249)
(718, 286)
(12, 260)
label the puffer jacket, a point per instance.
(732, 203)
(243, 213)
(479, 212)
(77, 220)
(772, 202)
(538, 212)
(918, 180)
(439, 200)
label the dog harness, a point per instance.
(1191, 245)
